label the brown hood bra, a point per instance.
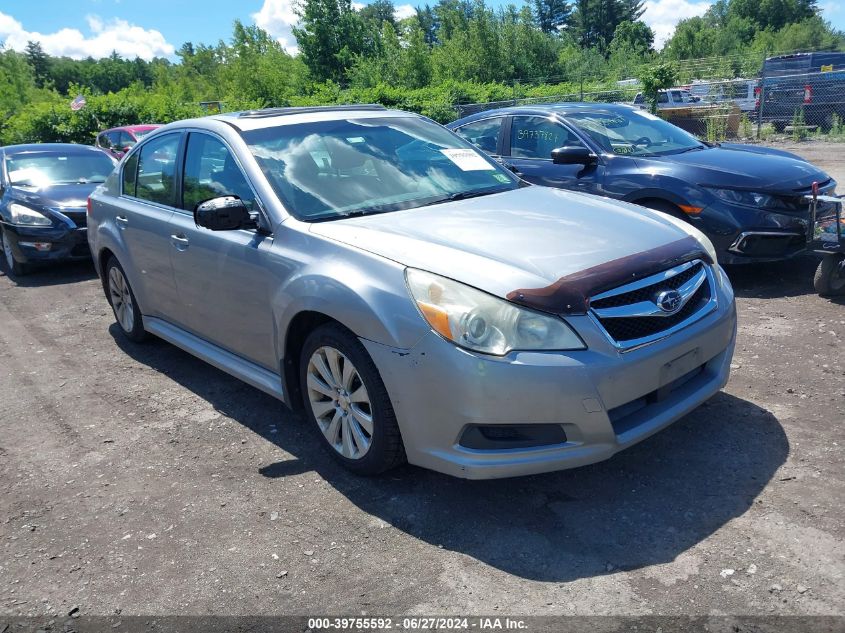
(571, 294)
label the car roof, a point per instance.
(134, 128)
(545, 109)
(68, 148)
(273, 117)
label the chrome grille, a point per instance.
(632, 315)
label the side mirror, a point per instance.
(577, 155)
(226, 213)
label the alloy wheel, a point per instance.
(121, 299)
(340, 402)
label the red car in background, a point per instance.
(119, 140)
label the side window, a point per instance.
(210, 172)
(483, 134)
(156, 178)
(662, 97)
(638, 100)
(125, 141)
(130, 173)
(536, 137)
(113, 139)
(103, 141)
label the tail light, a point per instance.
(89, 206)
(756, 97)
(808, 94)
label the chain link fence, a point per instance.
(794, 97)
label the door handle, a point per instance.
(122, 221)
(180, 242)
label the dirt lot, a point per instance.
(139, 480)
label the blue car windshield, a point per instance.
(332, 169)
(634, 133)
(45, 168)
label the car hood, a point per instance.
(529, 238)
(742, 167)
(55, 196)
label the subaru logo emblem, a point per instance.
(669, 301)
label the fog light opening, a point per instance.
(511, 436)
(39, 246)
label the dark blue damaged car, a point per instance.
(747, 199)
(44, 191)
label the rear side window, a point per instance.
(483, 134)
(210, 172)
(130, 172)
(156, 179)
(104, 142)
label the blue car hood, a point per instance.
(55, 196)
(740, 167)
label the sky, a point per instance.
(156, 28)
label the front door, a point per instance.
(528, 152)
(221, 276)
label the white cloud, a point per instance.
(278, 17)
(403, 11)
(663, 15)
(127, 39)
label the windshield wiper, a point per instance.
(475, 193)
(690, 149)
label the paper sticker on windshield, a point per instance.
(501, 178)
(467, 159)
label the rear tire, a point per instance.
(829, 279)
(347, 403)
(123, 303)
(13, 266)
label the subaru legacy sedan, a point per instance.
(408, 294)
(748, 200)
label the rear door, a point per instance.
(528, 149)
(147, 201)
(223, 283)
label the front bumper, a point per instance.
(602, 399)
(743, 235)
(65, 243)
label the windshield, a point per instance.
(332, 169)
(634, 133)
(41, 169)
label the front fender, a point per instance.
(365, 293)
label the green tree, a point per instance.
(551, 15)
(39, 61)
(654, 78)
(330, 35)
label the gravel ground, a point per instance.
(139, 480)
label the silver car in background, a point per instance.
(414, 299)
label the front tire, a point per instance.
(829, 279)
(346, 401)
(123, 303)
(14, 267)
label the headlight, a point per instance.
(747, 198)
(484, 323)
(28, 217)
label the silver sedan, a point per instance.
(413, 298)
